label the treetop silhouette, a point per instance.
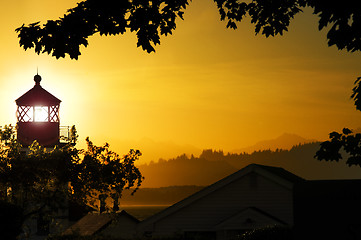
(150, 19)
(51, 178)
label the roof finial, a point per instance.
(37, 77)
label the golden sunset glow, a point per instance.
(205, 87)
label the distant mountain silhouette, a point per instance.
(211, 166)
(285, 141)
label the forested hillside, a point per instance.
(212, 165)
(158, 196)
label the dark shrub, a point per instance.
(268, 233)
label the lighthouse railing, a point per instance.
(64, 134)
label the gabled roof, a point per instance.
(126, 214)
(282, 173)
(247, 218)
(93, 223)
(89, 224)
(275, 174)
(37, 96)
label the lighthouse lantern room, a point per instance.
(38, 116)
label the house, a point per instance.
(328, 209)
(116, 225)
(256, 196)
(253, 197)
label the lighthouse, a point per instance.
(38, 116)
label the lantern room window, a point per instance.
(38, 113)
(41, 114)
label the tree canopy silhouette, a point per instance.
(346, 140)
(150, 19)
(39, 182)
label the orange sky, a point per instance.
(205, 87)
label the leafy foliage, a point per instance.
(272, 17)
(344, 19)
(356, 94)
(349, 142)
(38, 182)
(150, 19)
(104, 174)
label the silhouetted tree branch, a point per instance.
(350, 143)
(150, 19)
(347, 140)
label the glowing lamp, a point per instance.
(38, 116)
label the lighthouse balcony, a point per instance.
(61, 135)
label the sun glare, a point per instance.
(41, 114)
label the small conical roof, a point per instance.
(37, 96)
